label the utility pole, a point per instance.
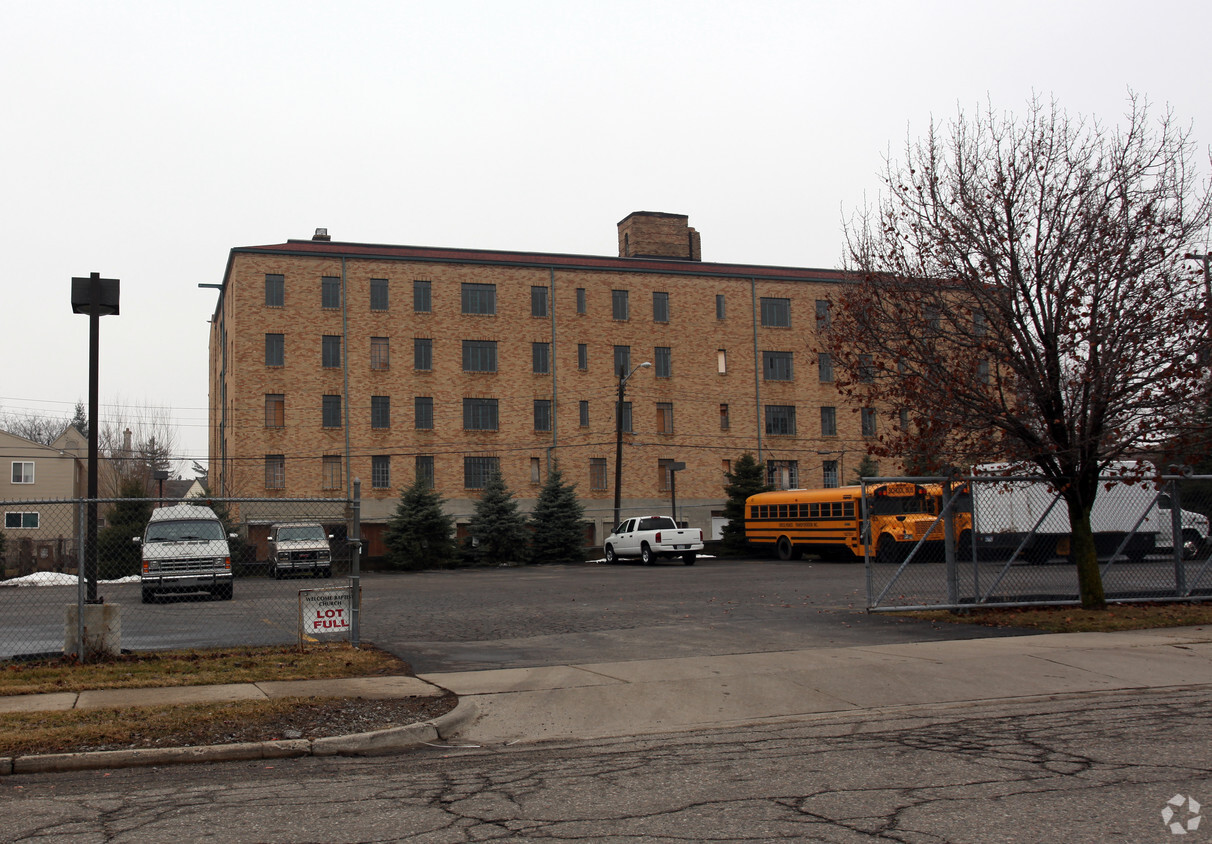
(618, 440)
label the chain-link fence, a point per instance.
(193, 573)
(1005, 541)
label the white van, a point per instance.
(185, 550)
(300, 548)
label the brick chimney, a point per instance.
(651, 234)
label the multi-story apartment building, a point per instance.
(331, 361)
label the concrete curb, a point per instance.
(378, 743)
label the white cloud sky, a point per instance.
(143, 140)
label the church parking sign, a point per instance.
(325, 612)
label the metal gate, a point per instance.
(1004, 541)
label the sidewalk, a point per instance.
(653, 696)
(619, 699)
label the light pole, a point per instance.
(618, 441)
(96, 297)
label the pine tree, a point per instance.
(80, 419)
(118, 555)
(497, 531)
(557, 532)
(746, 478)
(420, 534)
(867, 468)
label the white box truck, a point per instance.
(1008, 512)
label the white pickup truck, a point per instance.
(653, 537)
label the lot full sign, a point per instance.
(325, 612)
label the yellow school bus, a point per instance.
(829, 522)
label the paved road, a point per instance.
(471, 619)
(1090, 768)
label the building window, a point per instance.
(479, 355)
(583, 409)
(330, 292)
(780, 420)
(330, 351)
(824, 363)
(823, 318)
(275, 290)
(538, 301)
(618, 304)
(380, 411)
(423, 413)
(866, 369)
(422, 353)
(330, 471)
(982, 373)
(479, 414)
(378, 294)
(275, 349)
(828, 421)
(580, 300)
(275, 410)
(660, 307)
(597, 473)
(664, 475)
(477, 471)
(662, 361)
(536, 471)
(582, 356)
(422, 297)
(542, 414)
(622, 361)
(540, 358)
(721, 361)
(331, 412)
(275, 471)
(21, 520)
(624, 413)
(479, 298)
(23, 472)
(867, 419)
(724, 417)
(776, 313)
(931, 314)
(664, 417)
(829, 474)
(425, 472)
(719, 306)
(904, 419)
(380, 471)
(979, 327)
(783, 474)
(380, 353)
(777, 366)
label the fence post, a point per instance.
(82, 656)
(949, 545)
(1176, 535)
(355, 563)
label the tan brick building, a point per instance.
(331, 361)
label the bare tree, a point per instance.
(135, 441)
(1020, 293)
(33, 426)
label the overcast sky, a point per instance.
(144, 140)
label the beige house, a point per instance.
(39, 532)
